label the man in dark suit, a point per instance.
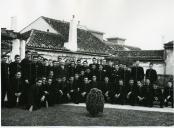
(157, 95)
(151, 74)
(106, 88)
(79, 66)
(137, 72)
(14, 67)
(94, 83)
(100, 74)
(120, 93)
(168, 93)
(84, 89)
(131, 92)
(4, 78)
(27, 76)
(16, 90)
(149, 93)
(141, 92)
(125, 74)
(94, 62)
(116, 74)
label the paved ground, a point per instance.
(128, 107)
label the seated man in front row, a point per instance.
(84, 89)
(37, 97)
(168, 94)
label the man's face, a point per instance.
(17, 59)
(116, 67)
(18, 75)
(169, 84)
(120, 82)
(72, 64)
(88, 70)
(76, 76)
(147, 81)
(4, 59)
(59, 80)
(137, 63)
(49, 81)
(28, 55)
(100, 67)
(71, 79)
(79, 62)
(35, 59)
(131, 82)
(86, 80)
(43, 79)
(64, 79)
(39, 83)
(155, 86)
(106, 79)
(139, 84)
(104, 62)
(51, 73)
(46, 62)
(110, 63)
(94, 61)
(94, 78)
(150, 66)
(82, 72)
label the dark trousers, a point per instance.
(132, 99)
(75, 97)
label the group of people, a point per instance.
(34, 83)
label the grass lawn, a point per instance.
(64, 115)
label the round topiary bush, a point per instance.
(95, 102)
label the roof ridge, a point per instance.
(55, 19)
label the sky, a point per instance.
(147, 24)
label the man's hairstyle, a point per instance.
(4, 56)
(16, 56)
(38, 79)
(26, 52)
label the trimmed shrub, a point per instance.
(95, 102)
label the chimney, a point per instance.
(14, 23)
(72, 40)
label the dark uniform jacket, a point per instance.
(14, 67)
(26, 69)
(4, 74)
(124, 75)
(168, 92)
(85, 87)
(115, 76)
(151, 74)
(137, 73)
(100, 75)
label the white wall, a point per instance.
(39, 24)
(169, 62)
(54, 56)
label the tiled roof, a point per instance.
(41, 39)
(8, 34)
(141, 55)
(118, 47)
(169, 44)
(86, 42)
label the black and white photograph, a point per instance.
(87, 63)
